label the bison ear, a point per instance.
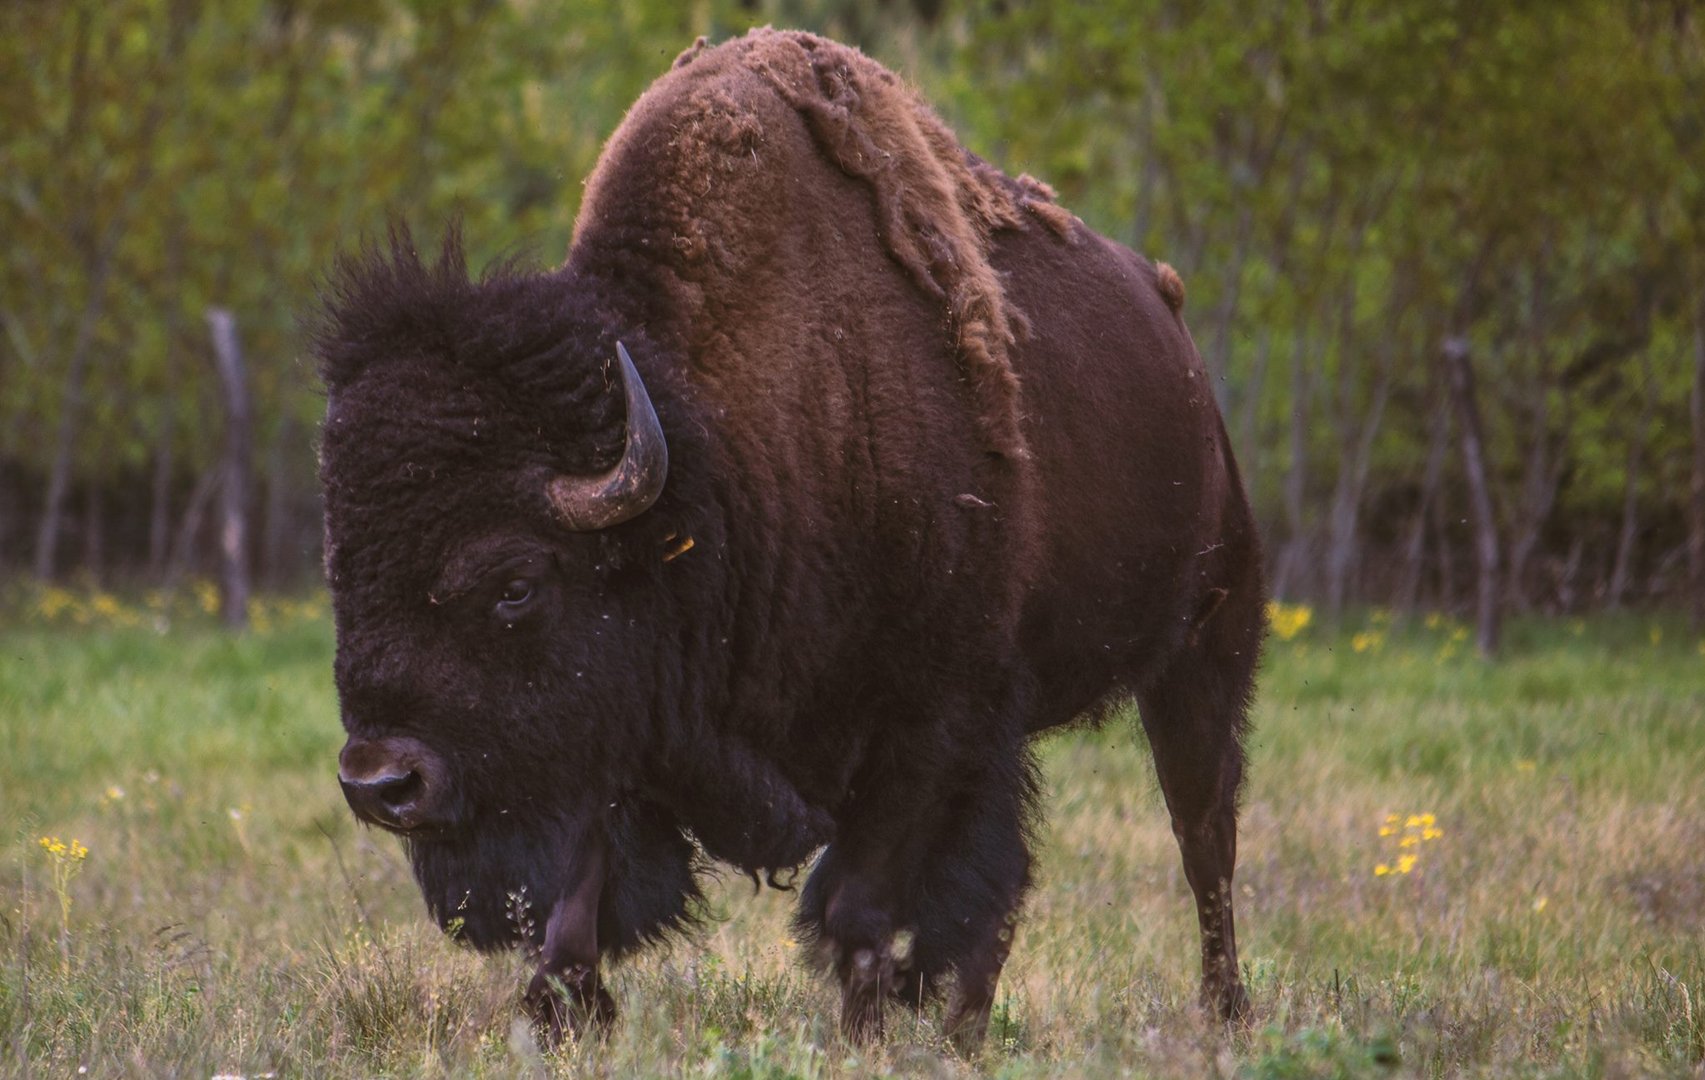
(590, 503)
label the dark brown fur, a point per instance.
(950, 479)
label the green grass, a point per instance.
(231, 918)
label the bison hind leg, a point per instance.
(1195, 716)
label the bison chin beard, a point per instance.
(494, 887)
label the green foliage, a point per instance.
(1342, 185)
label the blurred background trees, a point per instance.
(1445, 259)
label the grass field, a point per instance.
(1545, 917)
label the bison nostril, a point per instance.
(390, 800)
(397, 791)
(396, 782)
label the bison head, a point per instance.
(490, 453)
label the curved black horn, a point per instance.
(588, 503)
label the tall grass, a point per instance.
(230, 918)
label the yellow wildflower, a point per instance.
(1288, 620)
(1406, 863)
(75, 851)
(67, 861)
(54, 601)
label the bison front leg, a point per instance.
(923, 881)
(849, 907)
(566, 994)
(854, 926)
(973, 889)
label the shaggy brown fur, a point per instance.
(935, 204)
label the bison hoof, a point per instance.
(867, 977)
(967, 1028)
(573, 1003)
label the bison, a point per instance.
(831, 467)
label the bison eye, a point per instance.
(515, 599)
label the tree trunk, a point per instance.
(1358, 425)
(165, 451)
(1568, 589)
(70, 416)
(1249, 422)
(277, 525)
(160, 497)
(1344, 550)
(1543, 479)
(1622, 571)
(1415, 550)
(1296, 472)
(1489, 614)
(93, 526)
(1445, 596)
(189, 527)
(1150, 175)
(1225, 311)
(1696, 490)
(234, 469)
(1543, 475)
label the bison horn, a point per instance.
(589, 503)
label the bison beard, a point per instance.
(831, 467)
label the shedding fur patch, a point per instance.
(691, 52)
(1171, 286)
(1037, 199)
(936, 204)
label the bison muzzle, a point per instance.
(831, 467)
